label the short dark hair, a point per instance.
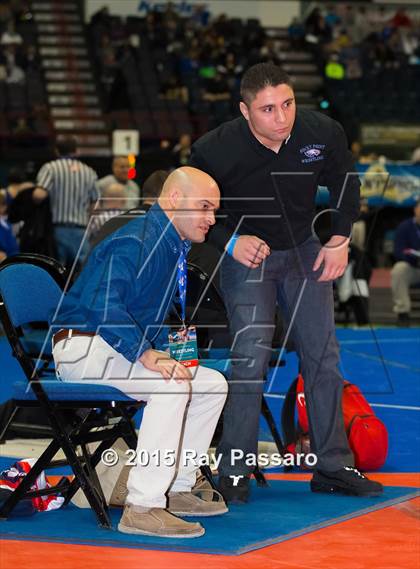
(153, 185)
(260, 76)
(16, 176)
(66, 145)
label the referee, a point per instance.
(71, 187)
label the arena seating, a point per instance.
(23, 99)
(164, 84)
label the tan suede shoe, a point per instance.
(120, 492)
(202, 488)
(157, 522)
(189, 504)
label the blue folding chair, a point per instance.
(79, 413)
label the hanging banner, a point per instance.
(385, 184)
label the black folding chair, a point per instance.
(79, 413)
(206, 310)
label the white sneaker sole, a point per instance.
(198, 514)
(129, 529)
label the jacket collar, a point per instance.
(258, 146)
(170, 234)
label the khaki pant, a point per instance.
(178, 420)
(403, 275)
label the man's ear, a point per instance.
(244, 110)
(174, 197)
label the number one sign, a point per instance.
(125, 142)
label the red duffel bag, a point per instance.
(368, 437)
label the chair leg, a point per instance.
(94, 460)
(91, 471)
(268, 416)
(95, 501)
(7, 425)
(206, 472)
(259, 477)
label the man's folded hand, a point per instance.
(162, 363)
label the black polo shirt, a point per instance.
(272, 195)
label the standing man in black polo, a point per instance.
(71, 185)
(268, 164)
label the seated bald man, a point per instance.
(111, 330)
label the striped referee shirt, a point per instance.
(71, 186)
(100, 217)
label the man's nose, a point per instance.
(211, 218)
(280, 116)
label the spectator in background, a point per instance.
(111, 204)
(332, 19)
(32, 220)
(296, 33)
(200, 15)
(120, 170)
(401, 19)
(362, 25)
(379, 17)
(10, 36)
(231, 70)
(151, 191)
(269, 52)
(152, 188)
(17, 182)
(317, 30)
(8, 243)
(102, 17)
(172, 89)
(15, 74)
(216, 92)
(71, 187)
(406, 271)
(358, 234)
(334, 69)
(182, 150)
(353, 68)
(356, 150)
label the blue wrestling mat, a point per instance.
(280, 512)
(383, 362)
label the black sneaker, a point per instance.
(234, 489)
(347, 480)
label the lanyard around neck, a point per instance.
(182, 283)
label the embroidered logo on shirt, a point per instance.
(313, 153)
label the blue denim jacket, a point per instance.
(125, 290)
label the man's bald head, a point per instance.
(114, 190)
(190, 197)
(113, 197)
(190, 181)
